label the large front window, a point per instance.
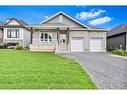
(13, 33)
(46, 36)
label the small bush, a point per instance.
(120, 52)
(2, 46)
(19, 47)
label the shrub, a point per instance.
(19, 47)
(120, 52)
(2, 46)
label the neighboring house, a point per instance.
(15, 32)
(1, 32)
(117, 38)
(62, 34)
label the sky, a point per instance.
(100, 16)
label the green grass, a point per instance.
(20, 69)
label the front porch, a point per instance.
(50, 40)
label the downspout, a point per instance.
(68, 46)
(67, 35)
(58, 35)
(31, 35)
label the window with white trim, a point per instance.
(12, 33)
(46, 36)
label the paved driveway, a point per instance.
(107, 71)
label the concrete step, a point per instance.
(63, 51)
(62, 48)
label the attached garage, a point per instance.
(96, 45)
(77, 44)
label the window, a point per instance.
(13, 33)
(46, 36)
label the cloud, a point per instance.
(100, 21)
(89, 15)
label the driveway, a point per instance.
(107, 71)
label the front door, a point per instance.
(63, 38)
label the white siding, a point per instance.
(26, 38)
(63, 19)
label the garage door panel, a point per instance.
(77, 44)
(96, 44)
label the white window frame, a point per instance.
(49, 32)
(16, 35)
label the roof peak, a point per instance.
(60, 12)
(21, 22)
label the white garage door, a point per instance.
(77, 44)
(96, 44)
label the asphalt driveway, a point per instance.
(107, 71)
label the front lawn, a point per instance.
(20, 69)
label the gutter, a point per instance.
(103, 30)
(70, 28)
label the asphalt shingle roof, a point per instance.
(119, 29)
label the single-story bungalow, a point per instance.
(61, 33)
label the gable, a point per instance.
(13, 22)
(61, 18)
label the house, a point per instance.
(61, 33)
(117, 38)
(1, 32)
(14, 32)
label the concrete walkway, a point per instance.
(107, 71)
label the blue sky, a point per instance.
(101, 16)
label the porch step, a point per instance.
(62, 48)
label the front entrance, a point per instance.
(63, 37)
(62, 46)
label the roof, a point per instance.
(21, 22)
(95, 27)
(53, 16)
(50, 25)
(55, 24)
(117, 30)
